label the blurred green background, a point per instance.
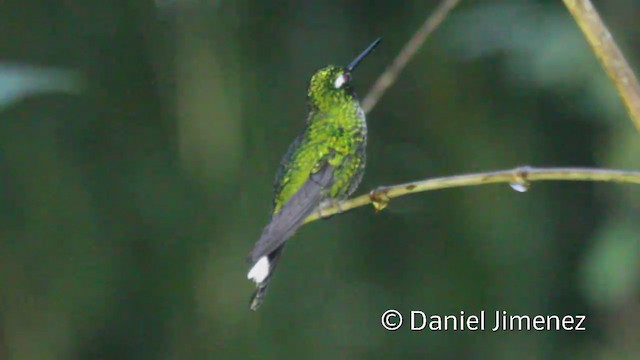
(139, 141)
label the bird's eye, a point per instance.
(341, 80)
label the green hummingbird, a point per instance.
(323, 165)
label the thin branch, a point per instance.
(518, 178)
(609, 55)
(388, 77)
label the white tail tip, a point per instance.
(260, 270)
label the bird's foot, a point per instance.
(325, 205)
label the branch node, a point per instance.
(379, 198)
(519, 181)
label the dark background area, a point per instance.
(139, 141)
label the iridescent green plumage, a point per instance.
(336, 132)
(325, 163)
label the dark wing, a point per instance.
(286, 221)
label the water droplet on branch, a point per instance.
(520, 186)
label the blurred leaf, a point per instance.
(541, 46)
(20, 80)
(536, 41)
(610, 273)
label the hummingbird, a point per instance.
(322, 166)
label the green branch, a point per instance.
(518, 178)
(389, 76)
(612, 59)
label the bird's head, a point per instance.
(331, 85)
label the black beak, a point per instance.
(362, 55)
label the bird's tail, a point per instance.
(261, 287)
(284, 222)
